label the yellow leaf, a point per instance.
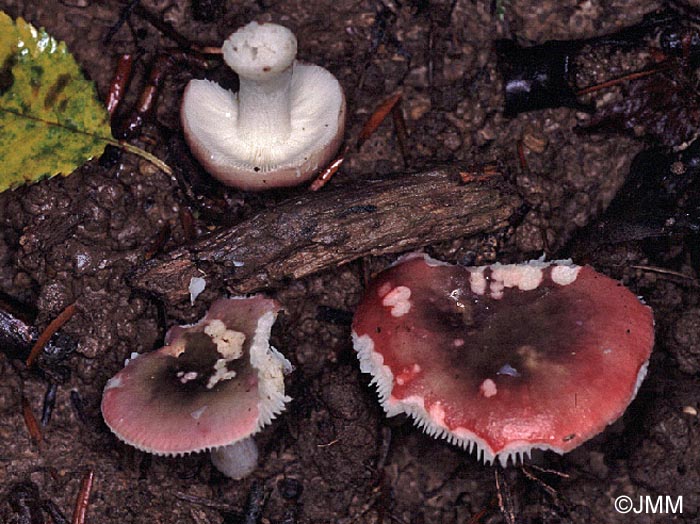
(51, 120)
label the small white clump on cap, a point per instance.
(488, 388)
(525, 277)
(565, 274)
(398, 300)
(477, 280)
(228, 342)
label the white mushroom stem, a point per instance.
(263, 56)
(264, 110)
(237, 460)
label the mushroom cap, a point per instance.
(187, 397)
(503, 358)
(209, 114)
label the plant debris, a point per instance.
(659, 101)
(51, 120)
(661, 197)
(664, 106)
(306, 234)
(75, 239)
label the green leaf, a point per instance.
(51, 120)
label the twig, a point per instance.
(120, 80)
(49, 403)
(521, 157)
(256, 498)
(77, 402)
(30, 422)
(315, 231)
(546, 487)
(328, 444)
(664, 271)
(476, 518)
(324, 176)
(550, 471)
(123, 17)
(83, 499)
(161, 25)
(56, 324)
(505, 500)
(54, 511)
(626, 78)
(17, 335)
(378, 117)
(387, 107)
(201, 501)
(209, 50)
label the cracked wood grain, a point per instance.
(322, 230)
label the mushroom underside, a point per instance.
(209, 116)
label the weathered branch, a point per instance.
(316, 231)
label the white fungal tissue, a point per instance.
(197, 285)
(398, 300)
(488, 388)
(229, 344)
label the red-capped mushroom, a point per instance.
(505, 358)
(213, 385)
(284, 124)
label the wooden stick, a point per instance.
(626, 78)
(120, 80)
(56, 324)
(83, 499)
(316, 231)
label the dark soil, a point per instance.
(333, 456)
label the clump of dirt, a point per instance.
(333, 456)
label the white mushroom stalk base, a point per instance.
(236, 460)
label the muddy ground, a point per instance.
(333, 456)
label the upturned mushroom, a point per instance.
(211, 387)
(283, 125)
(503, 359)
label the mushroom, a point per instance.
(213, 385)
(503, 359)
(283, 125)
